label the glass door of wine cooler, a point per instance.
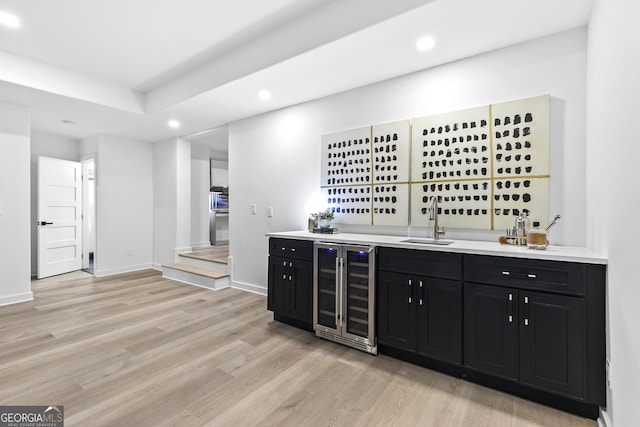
(344, 294)
(326, 285)
(359, 295)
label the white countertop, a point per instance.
(552, 253)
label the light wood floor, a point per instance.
(139, 350)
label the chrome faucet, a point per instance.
(433, 215)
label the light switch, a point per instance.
(254, 208)
(270, 211)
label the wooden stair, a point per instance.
(203, 268)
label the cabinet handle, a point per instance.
(526, 322)
(526, 300)
(421, 283)
(420, 301)
(409, 300)
(510, 319)
(284, 263)
(510, 297)
(293, 249)
(290, 264)
(505, 273)
(284, 277)
(289, 278)
(409, 282)
(531, 276)
(284, 249)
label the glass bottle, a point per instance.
(537, 237)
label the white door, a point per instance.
(59, 216)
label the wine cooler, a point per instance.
(343, 295)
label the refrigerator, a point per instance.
(344, 294)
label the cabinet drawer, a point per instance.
(298, 249)
(422, 263)
(553, 276)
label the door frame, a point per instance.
(87, 210)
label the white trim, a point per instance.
(604, 420)
(178, 251)
(157, 266)
(249, 288)
(120, 270)
(15, 299)
(195, 279)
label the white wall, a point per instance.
(172, 199)
(164, 201)
(124, 203)
(183, 195)
(220, 173)
(274, 159)
(47, 145)
(199, 195)
(15, 215)
(613, 150)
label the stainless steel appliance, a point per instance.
(218, 208)
(344, 295)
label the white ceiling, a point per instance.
(124, 67)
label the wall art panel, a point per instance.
(391, 159)
(350, 204)
(391, 204)
(346, 158)
(513, 195)
(521, 137)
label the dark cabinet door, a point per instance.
(491, 330)
(278, 289)
(551, 342)
(301, 289)
(439, 319)
(396, 311)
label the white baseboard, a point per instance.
(604, 420)
(15, 299)
(249, 288)
(120, 270)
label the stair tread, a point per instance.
(195, 255)
(207, 272)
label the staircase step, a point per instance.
(197, 276)
(203, 262)
(204, 257)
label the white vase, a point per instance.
(324, 223)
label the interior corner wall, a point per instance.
(199, 195)
(47, 145)
(124, 204)
(183, 195)
(172, 199)
(274, 159)
(612, 200)
(15, 215)
(164, 201)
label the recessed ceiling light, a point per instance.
(9, 20)
(425, 43)
(265, 95)
(174, 124)
(68, 122)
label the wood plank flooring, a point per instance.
(218, 253)
(140, 350)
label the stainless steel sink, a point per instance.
(428, 242)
